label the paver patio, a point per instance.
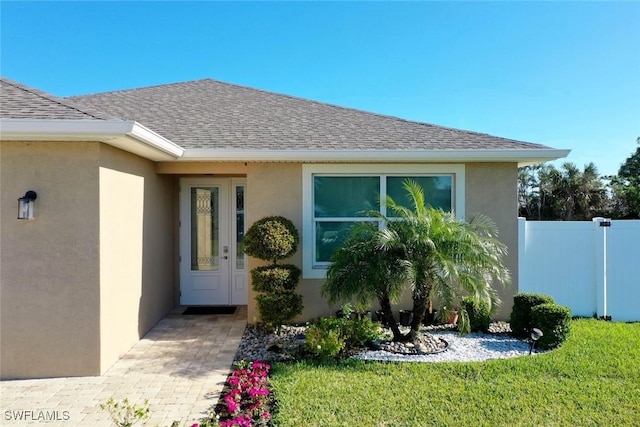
(180, 366)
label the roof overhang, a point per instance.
(131, 136)
(522, 157)
(126, 135)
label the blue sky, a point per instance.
(565, 74)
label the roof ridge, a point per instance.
(298, 98)
(52, 98)
(86, 95)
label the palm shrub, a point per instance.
(272, 239)
(362, 272)
(523, 302)
(478, 312)
(555, 323)
(439, 256)
(442, 257)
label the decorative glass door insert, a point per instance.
(205, 228)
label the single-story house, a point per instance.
(143, 196)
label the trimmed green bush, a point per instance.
(324, 339)
(555, 323)
(521, 313)
(277, 308)
(359, 331)
(275, 278)
(271, 238)
(353, 333)
(478, 312)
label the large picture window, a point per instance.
(337, 196)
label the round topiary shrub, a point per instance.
(277, 308)
(521, 312)
(271, 238)
(555, 323)
(275, 278)
(478, 312)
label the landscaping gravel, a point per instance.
(468, 348)
(256, 344)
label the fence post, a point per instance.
(601, 264)
(522, 252)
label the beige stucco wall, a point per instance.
(93, 272)
(272, 189)
(276, 189)
(49, 268)
(491, 190)
(136, 250)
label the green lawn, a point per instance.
(592, 380)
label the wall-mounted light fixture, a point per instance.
(25, 205)
(536, 334)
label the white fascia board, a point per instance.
(159, 142)
(520, 156)
(127, 135)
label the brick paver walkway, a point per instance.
(180, 366)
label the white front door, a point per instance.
(212, 225)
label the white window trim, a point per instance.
(309, 270)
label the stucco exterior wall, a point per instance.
(491, 190)
(276, 189)
(49, 270)
(136, 250)
(84, 280)
(272, 189)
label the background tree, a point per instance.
(567, 194)
(625, 188)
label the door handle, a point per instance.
(225, 251)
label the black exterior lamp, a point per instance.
(25, 205)
(536, 334)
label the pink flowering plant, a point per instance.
(246, 399)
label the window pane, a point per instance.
(240, 256)
(344, 196)
(437, 190)
(204, 229)
(329, 237)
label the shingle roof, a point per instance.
(212, 114)
(18, 101)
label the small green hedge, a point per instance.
(521, 313)
(271, 238)
(478, 312)
(332, 336)
(275, 278)
(555, 323)
(277, 308)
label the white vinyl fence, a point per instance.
(588, 266)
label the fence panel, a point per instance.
(566, 259)
(623, 270)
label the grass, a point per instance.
(592, 380)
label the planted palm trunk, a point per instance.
(385, 305)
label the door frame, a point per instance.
(234, 278)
